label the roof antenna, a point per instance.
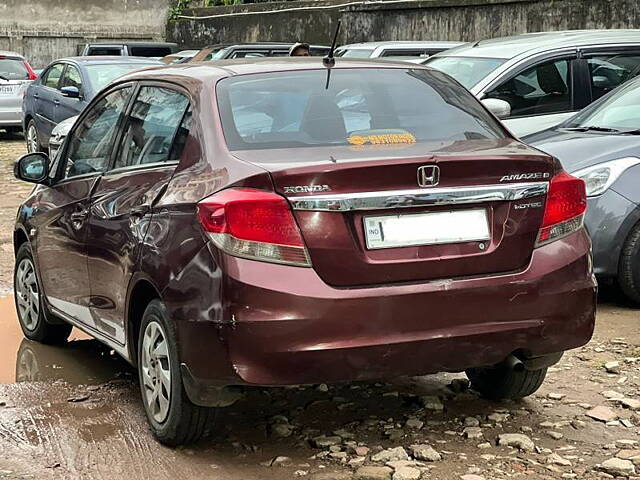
(329, 60)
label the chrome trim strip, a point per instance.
(419, 197)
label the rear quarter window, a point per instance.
(12, 68)
(295, 109)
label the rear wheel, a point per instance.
(32, 312)
(173, 418)
(501, 382)
(31, 135)
(629, 266)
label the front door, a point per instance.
(63, 209)
(152, 138)
(68, 106)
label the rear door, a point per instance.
(610, 67)
(156, 127)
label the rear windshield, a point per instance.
(12, 68)
(101, 75)
(355, 53)
(467, 70)
(359, 107)
(149, 51)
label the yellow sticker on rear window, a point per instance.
(382, 139)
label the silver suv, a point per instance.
(537, 80)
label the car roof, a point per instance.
(511, 47)
(208, 71)
(109, 59)
(137, 44)
(7, 53)
(399, 43)
(260, 44)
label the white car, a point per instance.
(537, 80)
(395, 50)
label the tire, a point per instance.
(174, 420)
(33, 315)
(32, 138)
(501, 382)
(629, 266)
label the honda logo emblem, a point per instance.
(428, 176)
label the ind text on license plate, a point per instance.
(388, 231)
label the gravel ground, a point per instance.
(73, 412)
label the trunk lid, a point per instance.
(360, 183)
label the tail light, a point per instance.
(253, 224)
(564, 209)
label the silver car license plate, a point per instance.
(434, 228)
(6, 89)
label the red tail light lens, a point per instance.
(564, 209)
(253, 224)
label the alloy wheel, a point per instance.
(156, 371)
(32, 138)
(27, 294)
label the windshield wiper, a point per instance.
(593, 128)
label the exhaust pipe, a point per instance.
(514, 363)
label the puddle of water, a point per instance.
(81, 360)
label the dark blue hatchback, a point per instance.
(65, 87)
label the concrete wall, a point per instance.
(465, 20)
(44, 30)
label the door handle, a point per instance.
(79, 216)
(36, 96)
(140, 211)
(56, 102)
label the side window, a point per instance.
(91, 145)
(52, 77)
(151, 127)
(543, 89)
(609, 71)
(71, 78)
(248, 54)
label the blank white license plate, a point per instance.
(6, 89)
(434, 228)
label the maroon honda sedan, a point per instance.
(276, 222)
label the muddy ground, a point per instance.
(74, 412)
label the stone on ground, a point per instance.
(390, 455)
(373, 473)
(425, 453)
(518, 440)
(618, 467)
(406, 473)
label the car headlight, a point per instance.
(599, 178)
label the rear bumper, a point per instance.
(11, 116)
(283, 325)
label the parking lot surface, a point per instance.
(74, 412)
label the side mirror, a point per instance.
(32, 168)
(500, 108)
(71, 92)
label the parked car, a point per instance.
(265, 223)
(133, 49)
(65, 88)
(15, 76)
(602, 146)
(182, 56)
(395, 50)
(538, 80)
(251, 50)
